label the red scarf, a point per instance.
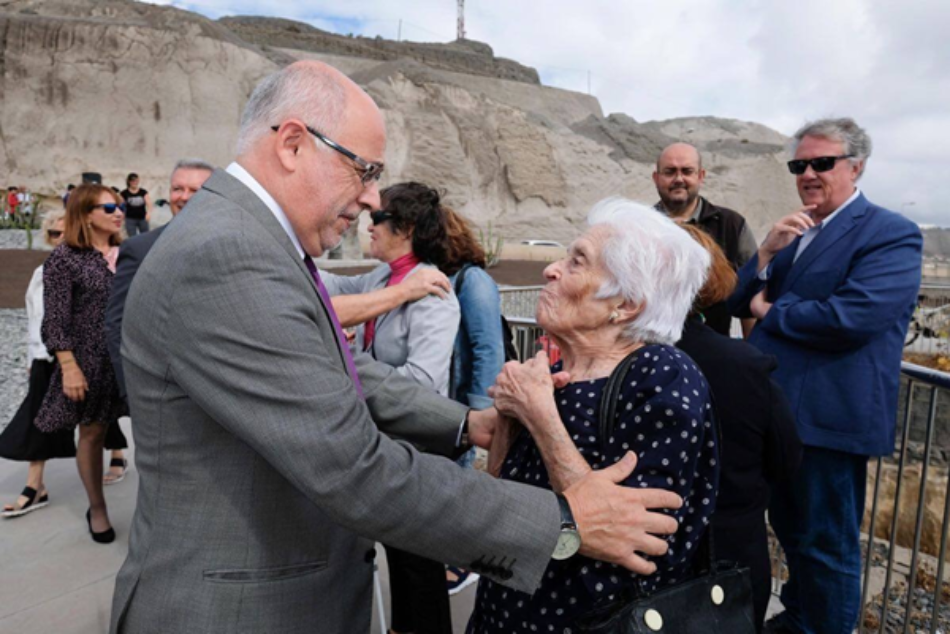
(399, 269)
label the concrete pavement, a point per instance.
(54, 578)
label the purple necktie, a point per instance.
(347, 356)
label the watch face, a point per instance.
(568, 543)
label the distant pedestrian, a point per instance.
(13, 201)
(138, 206)
(69, 190)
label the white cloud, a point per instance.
(884, 62)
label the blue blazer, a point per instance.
(837, 325)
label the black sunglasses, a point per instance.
(109, 208)
(380, 216)
(820, 164)
(54, 233)
(369, 170)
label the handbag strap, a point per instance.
(608, 414)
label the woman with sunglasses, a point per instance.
(77, 280)
(410, 235)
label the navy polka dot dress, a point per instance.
(665, 416)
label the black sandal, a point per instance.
(116, 462)
(31, 505)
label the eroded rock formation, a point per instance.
(115, 86)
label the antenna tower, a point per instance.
(461, 26)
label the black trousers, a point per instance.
(420, 598)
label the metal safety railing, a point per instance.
(526, 334)
(519, 301)
(912, 592)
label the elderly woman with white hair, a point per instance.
(620, 296)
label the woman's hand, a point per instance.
(74, 382)
(525, 391)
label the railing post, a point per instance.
(921, 501)
(897, 498)
(870, 549)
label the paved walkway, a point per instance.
(54, 578)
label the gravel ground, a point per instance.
(16, 239)
(12, 362)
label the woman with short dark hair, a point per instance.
(409, 234)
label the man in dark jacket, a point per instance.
(187, 178)
(678, 178)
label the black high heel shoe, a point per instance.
(105, 537)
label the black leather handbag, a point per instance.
(716, 600)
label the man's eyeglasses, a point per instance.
(54, 233)
(380, 216)
(109, 208)
(369, 171)
(820, 164)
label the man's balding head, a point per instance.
(678, 178)
(299, 130)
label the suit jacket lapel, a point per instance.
(237, 192)
(780, 268)
(828, 236)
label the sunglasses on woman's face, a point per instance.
(53, 233)
(379, 217)
(109, 208)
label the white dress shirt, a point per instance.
(245, 177)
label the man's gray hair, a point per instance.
(315, 97)
(845, 131)
(650, 262)
(192, 164)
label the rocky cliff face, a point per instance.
(117, 86)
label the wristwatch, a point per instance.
(569, 540)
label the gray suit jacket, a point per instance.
(264, 479)
(417, 338)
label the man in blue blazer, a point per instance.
(833, 287)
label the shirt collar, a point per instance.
(694, 219)
(831, 216)
(238, 172)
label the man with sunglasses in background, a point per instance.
(270, 459)
(833, 287)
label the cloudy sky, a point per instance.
(885, 63)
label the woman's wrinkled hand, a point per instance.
(74, 382)
(525, 391)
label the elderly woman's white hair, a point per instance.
(650, 262)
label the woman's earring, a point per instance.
(614, 316)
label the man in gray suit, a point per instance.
(270, 460)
